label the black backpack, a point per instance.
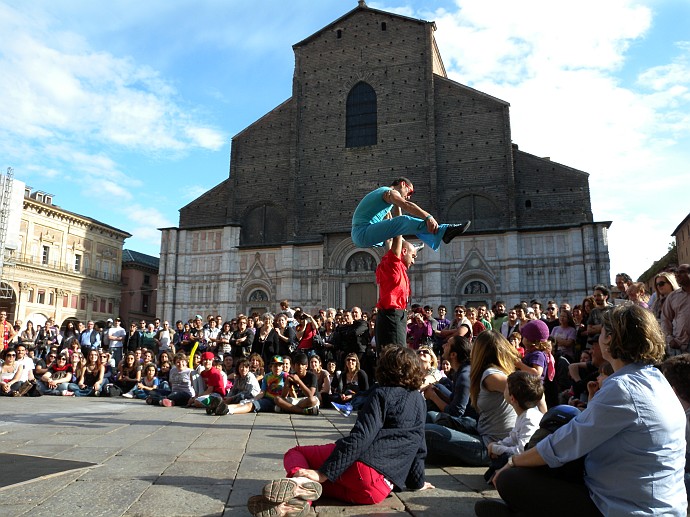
(552, 420)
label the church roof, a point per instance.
(361, 7)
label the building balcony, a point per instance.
(63, 267)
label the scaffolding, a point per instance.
(6, 254)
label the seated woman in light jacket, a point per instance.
(632, 436)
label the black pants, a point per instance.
(391, 328)
(536, 491)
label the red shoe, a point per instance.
(167, 403)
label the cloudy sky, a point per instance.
(124, 110)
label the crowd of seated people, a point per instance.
(292, 361)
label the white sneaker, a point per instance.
(128, 395)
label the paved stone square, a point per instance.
(153, 461)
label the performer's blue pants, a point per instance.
(375, 234)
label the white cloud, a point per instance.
(191, 192)
(558, 66)
(56, 87)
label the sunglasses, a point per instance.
(62, 359)
(10, 355)
(661, 283)
(422, 352)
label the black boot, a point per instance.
(453, 230)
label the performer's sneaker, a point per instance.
(453, 230)
(285, 489)
(343, 409)
(259, 506)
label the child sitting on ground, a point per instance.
(271, 386)
(246, 387)
(148, 383)
(213, 381)
(181, 384)
(523, 391)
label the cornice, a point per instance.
(64, 215)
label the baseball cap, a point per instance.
(207, 355)
(276, 359)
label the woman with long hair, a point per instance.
(492, 359)
(631, 436)
(76, 360)
(384, 450)
(664, 284)
(29, 334)
(323, 380)
(90, 379)
(580, 325)
(10, 373)
(588, 304)
(69, 335)
(256, 366)
(305, 331)
(351, 381)
(430, 363)
(224, 346)
(129, 373)
(565, 335)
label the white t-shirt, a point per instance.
(164, 338)
(116, 332)
(28, 365)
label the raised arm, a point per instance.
(395, 198)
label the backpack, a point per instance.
(552, 420)
(112, 390)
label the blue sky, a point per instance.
(124, 110)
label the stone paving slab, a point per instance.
(155, 461)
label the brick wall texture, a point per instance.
(292, 179)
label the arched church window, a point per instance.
(481, 210)
(360, 118)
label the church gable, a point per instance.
(209, 209)
(260, 163)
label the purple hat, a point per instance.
(535, 331)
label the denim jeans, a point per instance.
(375, 234)
(449, 446)
(45, 390)
(79, 392)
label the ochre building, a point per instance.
(65, 265)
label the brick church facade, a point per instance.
(371, 102)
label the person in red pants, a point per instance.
(385, 449)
